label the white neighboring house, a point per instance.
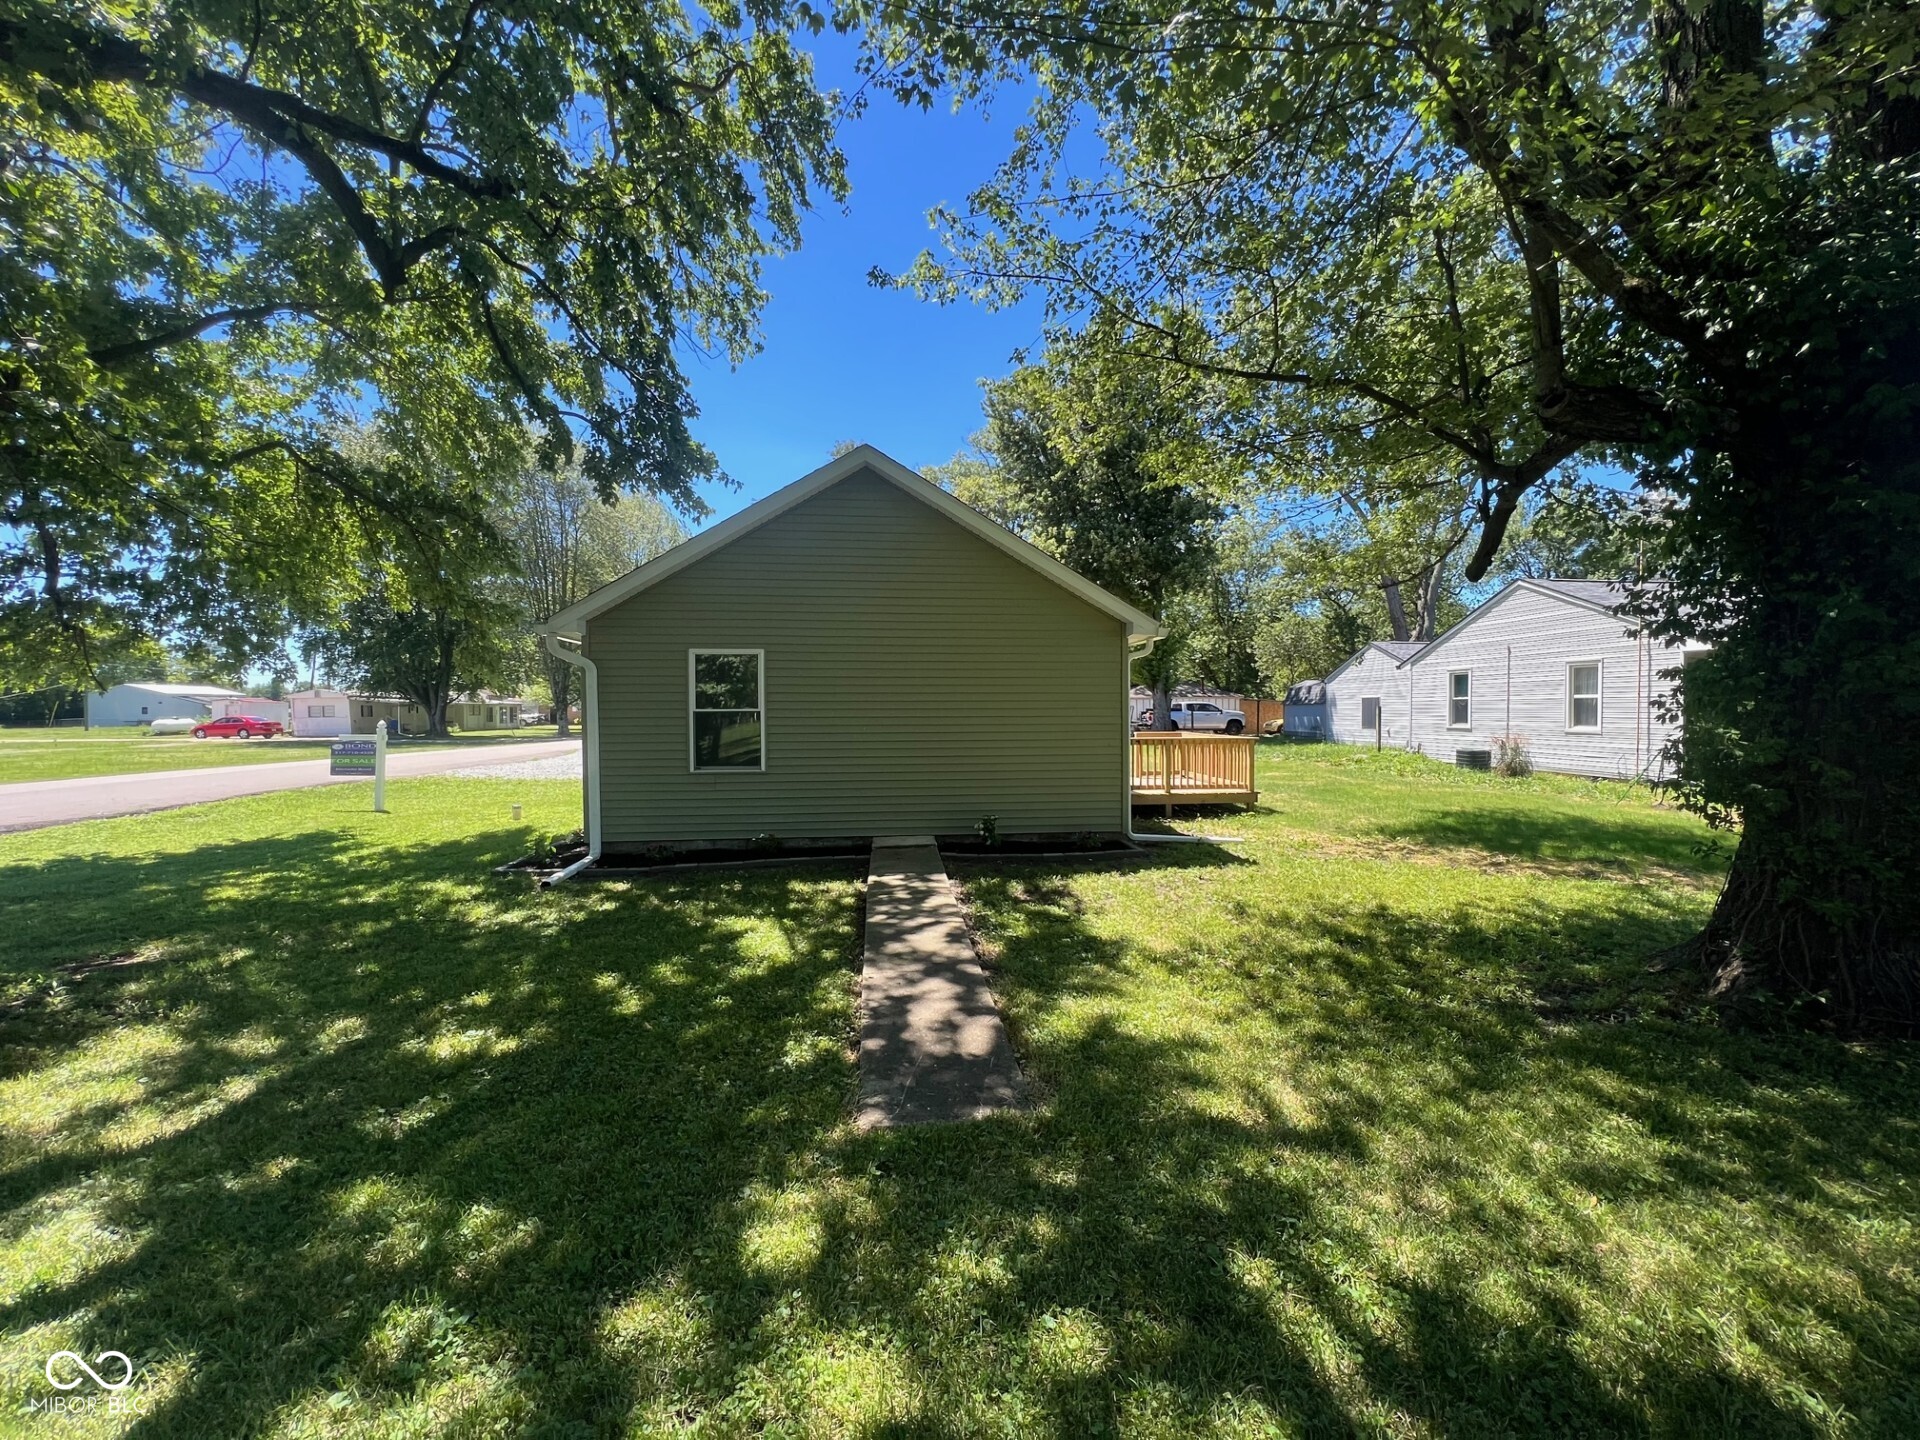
(321, 713)
(142, 702)
(1367, 697)
(1547, 660)
(1551, 661)
(484, 711)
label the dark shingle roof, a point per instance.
(1400, 649)
(1307, 692)
(1607, 593)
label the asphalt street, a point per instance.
(32, 804)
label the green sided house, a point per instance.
(857, 654)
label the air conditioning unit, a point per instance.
(1473, 759)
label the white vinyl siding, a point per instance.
(1373, 675)
(1460, 700)
(1521, 648)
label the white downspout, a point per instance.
(1140, 652)
(574, 654)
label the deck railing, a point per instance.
(1179, 766)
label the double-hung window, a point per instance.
(724, 698)
(1583, 695)
(1459, 699)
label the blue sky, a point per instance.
(844, 360)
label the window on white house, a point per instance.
(1583, 695)
(1369, 713)
(319, 712)
(1460, 699)
(725, 704)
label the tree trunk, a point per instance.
(1158, 671)
(1432, 582)
(560, 685)
(1798, 556)
(1396, 608)
(1162, 705)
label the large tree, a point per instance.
(1683, 237)
(425, 643)
(229, 227)
(565, 540)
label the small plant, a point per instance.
(1511, 757)
(987, 827)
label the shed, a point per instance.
(141, 702)
(852, 656)
(1306, 712)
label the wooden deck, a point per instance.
(1181, 768)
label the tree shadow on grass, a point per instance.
(406, 1136)
(1408, 1200)
(358, 1133)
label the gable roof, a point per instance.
(1140, 625)
(1398, 651)
(1600, 596)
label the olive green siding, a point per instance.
(917, 678)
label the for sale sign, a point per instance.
(353, 757)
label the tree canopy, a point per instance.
(231, 227)
(1499, 232)
(1109, 469)
(564, 540)
(1682, 238)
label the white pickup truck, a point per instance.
(1200, 715)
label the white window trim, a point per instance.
(1599, 697)
(760, 687)
(1453, 724)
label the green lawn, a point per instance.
(1377, 1124)
(68, 754)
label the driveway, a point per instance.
(34, 803)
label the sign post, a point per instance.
(362, 759)
(380, 768)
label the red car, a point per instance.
(240, 727)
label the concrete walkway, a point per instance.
(32, 804)
(932, 1045)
